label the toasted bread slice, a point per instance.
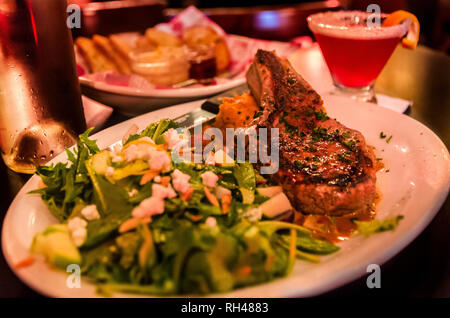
(96, 60)
(120, 45)
(105, 46)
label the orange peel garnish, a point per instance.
(412, 37)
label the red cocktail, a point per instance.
(354, 51)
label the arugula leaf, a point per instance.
(246, 180)
(245, 175)
(88, 143)
(68, 185)
(155, 131)
(312, 245)
(114, 207)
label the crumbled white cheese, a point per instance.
(90, 212)
(163, 192)
(116, 158)
(133, 192)
(159, 160)
(77, 229)
(211, 221)
(143, 150)
(171, 138)
(157, 179)
(156, 158)
(180, 181)
(109, 171)
(116, 153)
(174, 140)
(209, 179)
(253, 214)
(131, 153)
(149, 207)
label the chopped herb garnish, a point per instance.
(350, 144)
(321, 115)
(389, 139)
(257, 114)
(320, 133)
(342, 158)
(289, 129)
(382, 135)
(290, 80)
(298, 164)
(346, 134)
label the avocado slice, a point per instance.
(136, 167)
(100, 162)
(56, 245)
(276, 205)
(248, 195)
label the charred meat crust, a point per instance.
(325, 167)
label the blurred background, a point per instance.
(280, 20)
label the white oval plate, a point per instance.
(183, 92)
(415, 186)
(132, 101)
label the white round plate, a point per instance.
(414, 183)
(133, 101)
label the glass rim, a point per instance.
(318, 23)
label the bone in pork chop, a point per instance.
(325, 167)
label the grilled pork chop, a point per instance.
(325, 167)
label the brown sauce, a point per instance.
(334, 229)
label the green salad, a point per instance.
(137, 222)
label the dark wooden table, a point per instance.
(421, 269)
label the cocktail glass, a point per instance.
(355, 49)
